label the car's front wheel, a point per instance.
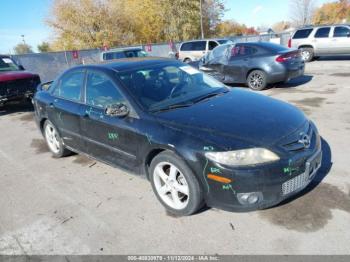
(175, 185)
(256, 80)
(54, 140)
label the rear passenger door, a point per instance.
(323, 43)
(341, 40)
(239, 62)
(66, 108)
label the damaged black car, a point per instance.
(197, 141)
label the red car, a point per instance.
(16, 84)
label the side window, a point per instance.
(101, 91)
(199, 46)
(212, 45)
(304, 33)
(341, 31)
(107, 56)
(69, 86)
(242, 50)
(322, 32)
(186, 46)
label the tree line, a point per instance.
(81, 24)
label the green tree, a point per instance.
(44, 47)
(22, 48)
(96, 23)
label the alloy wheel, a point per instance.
(52, 138)
(171, 185)
(256, 80)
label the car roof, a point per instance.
(318, 26)
(125, 64)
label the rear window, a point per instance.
(303, 33)
(322, 32)
(194, 46)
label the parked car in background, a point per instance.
(325, 40)
(256, 63)
(16, 84)
(119, 53)
(195, 139)
(194, 50)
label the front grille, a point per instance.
(295, 183)
(292, 143)
(19, 86)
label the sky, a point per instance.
(27, 17)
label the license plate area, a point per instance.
(313, 164)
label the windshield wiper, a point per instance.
(207, 96)
(174, 106)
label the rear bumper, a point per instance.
(285, 74)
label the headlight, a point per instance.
(243, 157)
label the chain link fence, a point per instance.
(50, 65)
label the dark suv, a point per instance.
(15, 83)
(326, 40)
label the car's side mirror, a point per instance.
(118, 110)
(21, 67)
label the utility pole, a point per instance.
(200, 7)
(24, 42)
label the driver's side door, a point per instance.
(109, 138)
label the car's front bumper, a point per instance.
(273, 183)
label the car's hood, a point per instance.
(14, 75)
(242, 115)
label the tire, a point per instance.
(187, 60)
(307, 53)
(54, 140)
(174, 184)
(256, 80)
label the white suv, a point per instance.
(194, 50)
(326, 40)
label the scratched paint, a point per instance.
(149, 138)
(113, 136)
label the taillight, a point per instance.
(288, 56)
(290, 43)
(177, 55)
(280, 59)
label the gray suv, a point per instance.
(325, 40)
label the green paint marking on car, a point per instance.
(215, 170)
(113, 136)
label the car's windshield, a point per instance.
(7, 64)
(162, 86)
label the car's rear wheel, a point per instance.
(175, 185)
(188, 60)
(54, 140)
(256, 80)
(307, 54)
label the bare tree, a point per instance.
(302, 11)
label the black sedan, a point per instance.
(196, 140)
(256, 64)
